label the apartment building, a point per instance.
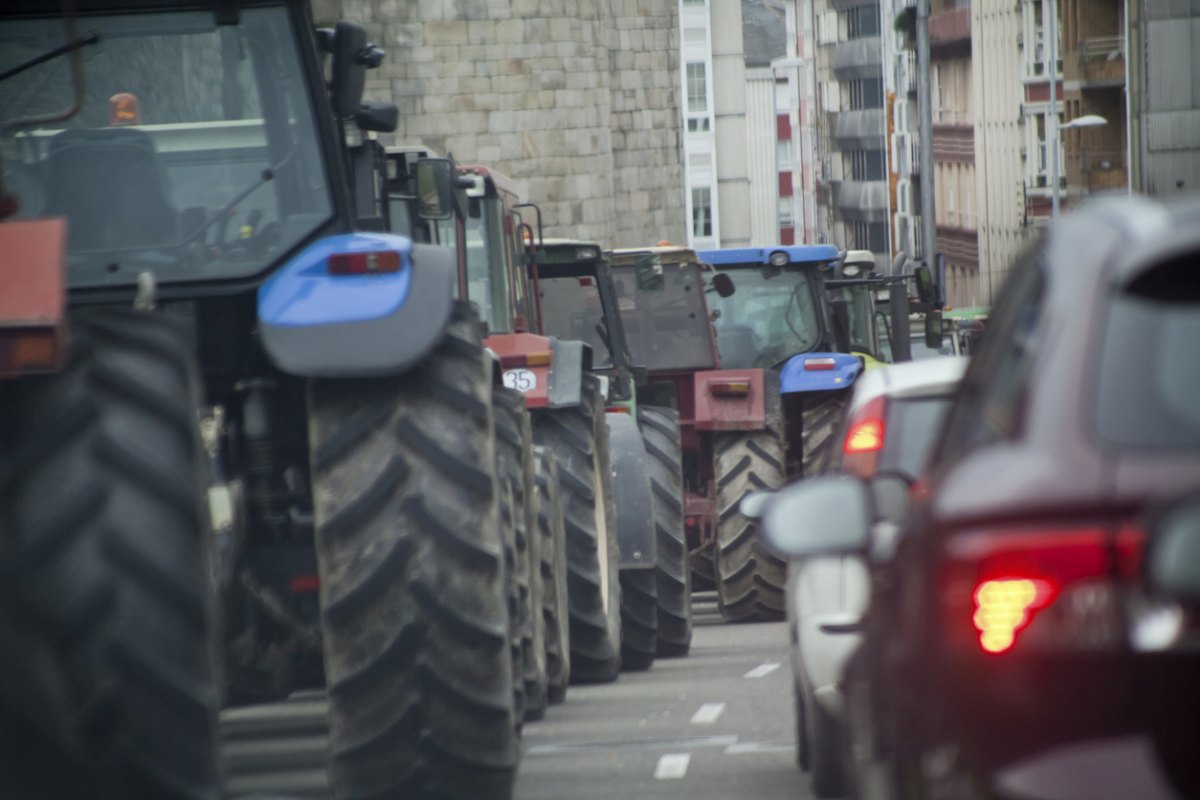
(954, 149)
(740, 150)
(851, 135)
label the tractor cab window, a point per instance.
(770, 318)
(666, 324)
(487, 263)
(860, 305)
(572, 310)
(195, 154)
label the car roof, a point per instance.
(930, 377)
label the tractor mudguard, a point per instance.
(571, 359)
(819, 372)
(320, 325)
(631, 490)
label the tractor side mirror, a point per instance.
(933, 330)
(723, 284)
(377, 115)
(435, 188)
(926, 290)
(349, 71)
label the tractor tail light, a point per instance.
(730, 388)
(514, 360)
(305, 584)
(26, 351)
(1040, 589)
(366, 263)
(820, 364)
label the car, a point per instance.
(1015, 643)
(888, 428)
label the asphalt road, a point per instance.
(715, 725)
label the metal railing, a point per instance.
(1101, 48)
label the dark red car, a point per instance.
(1013, 647)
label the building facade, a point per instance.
(576, 100)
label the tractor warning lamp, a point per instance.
(369, 263)
(730, 388)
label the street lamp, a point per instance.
(1086, 121)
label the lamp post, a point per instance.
(1086, 121)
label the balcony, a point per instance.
(950, 28)
(859, 130)
(1097, 170)
(858, 58)
(866, 200)
(1098, 63)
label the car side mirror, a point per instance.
(1172, 560)
(723, 284)
(821, 516)
(933, 330)
(435, 188)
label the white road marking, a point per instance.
(749, 748)
(762, 670)
(707, 714)
(672, 766)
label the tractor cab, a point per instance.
(777, 311)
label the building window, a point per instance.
(783, 155)
(862, 22)
(869, 235)
(1037, 155)
(697, 124)
(693, 2)
(866, 93)
(697, 89)
(866, 165)
(1034, 62)
(786, 218)
(702, 212)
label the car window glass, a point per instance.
(1149, 377)
(993, 389)
(911, 428)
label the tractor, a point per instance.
(247, 444)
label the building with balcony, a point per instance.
(954, 149)
(851, 125)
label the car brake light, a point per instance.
(819, 364)
(865, 438)
(1051, 588)
(364, 263)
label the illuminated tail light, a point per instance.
(820, 364)
(730, 388)
(26, 351)
(1047, 589)
(618, 410)
(305, 584)
(367, 263)
(865, 438)
(514, 360)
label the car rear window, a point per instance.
(1150, 361)
(912, 425)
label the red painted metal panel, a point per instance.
(700, 520)
(32, 283)
(787, 236)
(785, 184)
(783, 126)
(730, 413)
(533, 382)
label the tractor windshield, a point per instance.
(666, 324)
(194, 154)
(572, 310)
(487, 265)
(770, 318)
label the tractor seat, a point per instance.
(110, 186)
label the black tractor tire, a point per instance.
(413, 582)
(552, 555)
(514, 452)
(578, 437)
(673, 573)
(750, 580)
(109, 647)
(821, 415)
(639, 619)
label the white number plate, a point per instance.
(522, 380)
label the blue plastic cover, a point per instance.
(798, 253)
(303, 293)
(795, 378)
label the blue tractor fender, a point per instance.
(317, 324)
(631, 492)
(819, 372)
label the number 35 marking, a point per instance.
(522, 380)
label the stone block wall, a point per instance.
(576, 100)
